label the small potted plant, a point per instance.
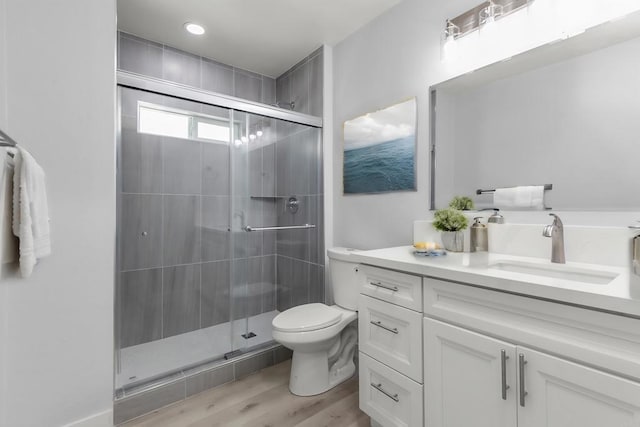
(462, 203)
(450, 222)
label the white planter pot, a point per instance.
(453, 240)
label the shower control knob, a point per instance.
(144, 233)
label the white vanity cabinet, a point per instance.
(390, 343)
(438, 353)
(473, 378)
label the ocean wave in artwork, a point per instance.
(385, 166)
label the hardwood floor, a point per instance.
(262, 400)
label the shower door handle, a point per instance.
(249, 228)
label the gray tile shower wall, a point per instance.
(300, 253)
(302, 84)
(156, 60)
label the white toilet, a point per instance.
(322, 337)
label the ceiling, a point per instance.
(263, 36)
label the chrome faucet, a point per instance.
(556, 232)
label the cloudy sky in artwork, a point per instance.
(395, 122)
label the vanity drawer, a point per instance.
(392, 335)
(387, 396)
(397, 288)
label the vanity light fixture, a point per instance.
(195, 29)
(483, 15)
(489, 14)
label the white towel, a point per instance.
(529, 197)
(8, 247)
(30, 211)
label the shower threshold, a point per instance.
(144, 362)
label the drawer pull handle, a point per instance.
(521, 364)
(503, 366)
(380, 285)
(386, 328)
(378, 387)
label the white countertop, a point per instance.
(621, 295)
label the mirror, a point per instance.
(565, 114)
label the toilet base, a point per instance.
(310, 373)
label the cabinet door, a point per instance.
(560, 393)
(469, 378)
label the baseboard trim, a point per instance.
(101, 419)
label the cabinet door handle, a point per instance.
(386, 328)
(378, 387)
(523, 392)
(503, 368)
(380, 285)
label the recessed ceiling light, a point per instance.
(196, 29)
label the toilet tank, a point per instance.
(343, 277)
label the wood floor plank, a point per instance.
(262, 400)
(343, 413)
(292, 410)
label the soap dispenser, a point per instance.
(479, 236)
(496, 218)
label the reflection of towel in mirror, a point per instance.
(30, 211)
(531, 197)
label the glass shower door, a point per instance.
(253, 276)
(174, 302)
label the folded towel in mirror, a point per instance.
(523, 197)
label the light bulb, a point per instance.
(450, 49)
(252, 137)
(259, 133)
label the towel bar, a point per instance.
(478, 191)
(6, 140)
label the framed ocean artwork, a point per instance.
(380, 150)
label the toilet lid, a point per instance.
(307, 317)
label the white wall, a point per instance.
(56, 332)
(395, 57)
(398, 56)
(3, 290)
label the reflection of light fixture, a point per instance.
(252, 137)
(194, 29)
(449, 48)
(259, 133)
(244, 139)
(237, 142)
(489, 14)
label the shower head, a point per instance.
(282, 104)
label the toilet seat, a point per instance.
(307, 317)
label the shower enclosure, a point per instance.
(219, 226)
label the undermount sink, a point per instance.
(557, 271)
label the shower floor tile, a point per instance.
(155, 358)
